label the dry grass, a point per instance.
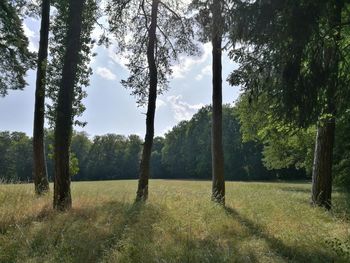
(263, 222)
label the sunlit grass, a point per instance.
(262, 222)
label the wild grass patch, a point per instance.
(262, 222)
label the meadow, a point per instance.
(262, 222)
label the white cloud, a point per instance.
(118, 59)
(206, 71)
(187, 63)
(182, 110)
(160, 103)
(33, 47)
(27, 31)
(105, 73)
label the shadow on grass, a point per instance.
(84, 234)
(292, 254)
(341, 204)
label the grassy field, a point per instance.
(263, 222)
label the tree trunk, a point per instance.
(323, 157)
(322, 166)
(41, 181)
(64, 115)
(218, 189)
(142, 191)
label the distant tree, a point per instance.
(132, 156)
(16, 59)
(80, 147)
(243, 161)
(159, 31)
(15, 157)
(7, 165)
(297, 53)
(174, 152)
(102, 159)
(22, 156)
(64, 111)
(157, 167)
(41, 181)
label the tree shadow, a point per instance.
(341, 204)
(83, 234)
(290, 253)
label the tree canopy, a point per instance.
(16, 59)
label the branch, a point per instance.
(144, 13)
(168, 40)
(171, 11)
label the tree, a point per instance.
(16, 157)
(285, 146)
(218, 191)
(41, 181)
(16, 59)
(64, 112)
(211, 18)
(304, 71)
(21, 155)
(243, 161)
(80, 147)
(57, 44)
(157, 167)
(160, 31)
(7, 165)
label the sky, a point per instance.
(109, 107)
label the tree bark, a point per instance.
(142, 191)
(322, 166)
(323, 157)
(41, 181)
(64, 116)
(218, 188)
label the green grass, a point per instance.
(263, 222)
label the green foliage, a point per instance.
(342, 248)
(129, 21)
(187, 151)
(112, 157)
(16, 59)
(203, 12)
(342, 152)
(73, 164)
(285, 145)
(59, 27)
(295, 52)
(15, 157)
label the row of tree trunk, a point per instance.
(322, 175)
(64, 113)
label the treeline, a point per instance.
(184, 153)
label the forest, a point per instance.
(249, 169)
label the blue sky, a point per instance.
(110, 108)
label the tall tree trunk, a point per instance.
(323, 157)
(142, 191)
(64, 115)
(218, 189)
(41, 181)
(322, 166)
